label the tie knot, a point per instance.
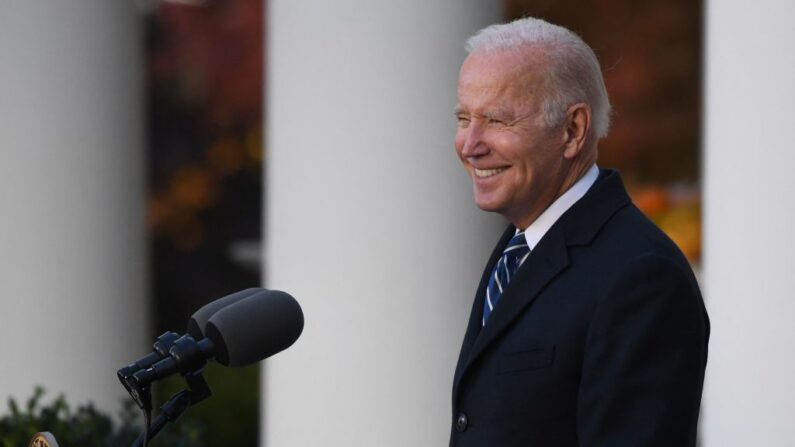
(517, 246)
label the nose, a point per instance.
(472, 143)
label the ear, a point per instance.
(578, 122)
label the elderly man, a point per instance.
(588, 327)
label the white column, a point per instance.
(72, 291)
(370, 222)
(749, 261)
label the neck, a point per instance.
(576, 170)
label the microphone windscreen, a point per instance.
(255, 328)
(198, 321)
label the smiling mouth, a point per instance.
(483, 173)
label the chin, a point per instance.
(488, 205)
(493, 197)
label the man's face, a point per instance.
(516, 163)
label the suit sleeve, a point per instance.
(644, 359)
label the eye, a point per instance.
(496, 122)
(463, 121)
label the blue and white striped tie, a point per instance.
(512, 257)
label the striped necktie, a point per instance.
(512, 257)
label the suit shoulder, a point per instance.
(630, 244)
(632, 235)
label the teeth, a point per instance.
(488, 172)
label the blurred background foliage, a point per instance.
(205, 77)
(85, 426)
(650, 53)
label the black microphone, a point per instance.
(159, 352)
(252, 329)
(196, 325)
(199, 318)
(255, 328)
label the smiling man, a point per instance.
(588, 327)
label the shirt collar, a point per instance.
(544, 222)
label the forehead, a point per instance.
(500, 79)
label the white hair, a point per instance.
(574, 75)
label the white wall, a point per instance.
(369, 221)
(749, 249)
(72, 298)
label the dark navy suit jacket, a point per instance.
(599, 340)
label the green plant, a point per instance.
(85, 426)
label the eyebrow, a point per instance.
(499, 115)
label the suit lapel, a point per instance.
(550, 257)
(476, 316)
(543, 265)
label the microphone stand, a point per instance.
(197, 391)
(177, 354)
